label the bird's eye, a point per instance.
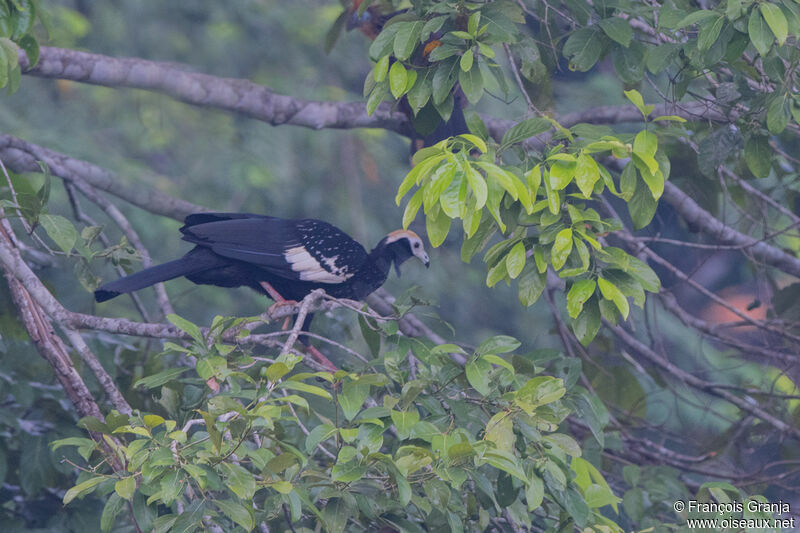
(416, 245)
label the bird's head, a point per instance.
(402, 245)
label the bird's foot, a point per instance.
(320, 358)
(277, 305)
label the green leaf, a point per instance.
(476, 141)
(420, 92)
(153, 421)
(60, 230)
(655, 182)
(461, 35)
(499, 361)
(534, 179)
(561, 174)
(500, 431)
(240, 481)
(352, 398)
(629, 62)
(669, 118)
(584, 48)
(376, 97)
(709, 33)
(162, 378)
(778, 114)
(319, 434)
(398, 79)
(515, 260)
(524, 130)
(627, 181)
(113, 507)
(466, 60)
(758, 155)
(578, 294)
(31, 47)
(125, 487)
(471, 82)
(82, 489)
(693, 18)
(659, 57)
(586, 174)
(498, 344)
(12, 54)
(504, 178)
(617, 29)
(187, 327)
(553, 200)
(775, 20)
(506, 462)
(3, 67)
(531, 285)
(636, 98)
(562, 246)
(437, 224)
(478, 186)
(407, 38)
(404, 421)
(760, 34)
(304, 387)
(475, 242)
(642, 206)
(611, 292)
(417, 174)
(478, 376)
(444, 78)
(534, 493)
(645, 144)
(237, 512)
(381, 69)
(347, 473)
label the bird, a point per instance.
(285, 259)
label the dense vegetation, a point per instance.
(610, 323)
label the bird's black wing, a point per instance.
(303, 250)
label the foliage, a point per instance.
(449, 446)
(567, 233)
(17, 18)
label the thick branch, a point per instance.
(238, 95)
(694, 214)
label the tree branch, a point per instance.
(21, 156)
(746, 404)
(694, 214)
(230, 94)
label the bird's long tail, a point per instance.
(145, 278)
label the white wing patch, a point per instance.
(311, 270)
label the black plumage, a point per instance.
(293, 257)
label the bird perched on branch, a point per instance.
(284, 259)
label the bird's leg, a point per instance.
(320, 358)
(279, 301)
